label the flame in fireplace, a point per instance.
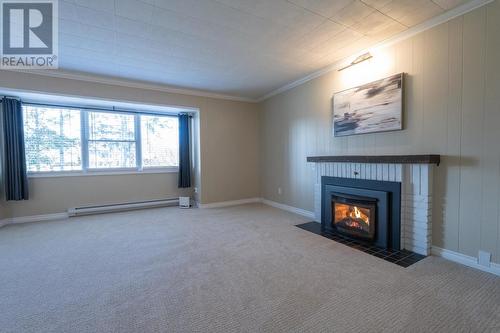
(357, 212)
(352, 216)
(354, 219)
(356, 215)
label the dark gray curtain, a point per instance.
(184, 155)
(16, 180)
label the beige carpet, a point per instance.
(240, 269)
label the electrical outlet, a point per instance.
(484, 258)
(280, 192)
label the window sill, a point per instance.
(102, 173)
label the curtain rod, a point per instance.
(112, 109)
(102, 109)
(11, 97)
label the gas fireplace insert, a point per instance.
(368, 211)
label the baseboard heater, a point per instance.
(111, 208)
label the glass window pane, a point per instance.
(111, 140)
(111, 126)
(160, 141)
(104, 154)
(52, 139)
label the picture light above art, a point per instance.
(369, 108)
(358, 60)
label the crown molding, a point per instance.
(410, 32)
(134, 84)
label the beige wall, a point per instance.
(229, 156)
(230, 151)
(452, 108)
(3, 212)
(57, 194)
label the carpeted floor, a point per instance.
(239, 269)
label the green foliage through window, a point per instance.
(55, 140)
(52, 139)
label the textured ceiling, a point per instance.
(244, 48)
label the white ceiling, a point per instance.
(244, 48)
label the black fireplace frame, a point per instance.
(388, 196)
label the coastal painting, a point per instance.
(370, 108)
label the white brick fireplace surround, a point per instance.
(416, 195)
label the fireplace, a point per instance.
(354, 216)
(367, 211)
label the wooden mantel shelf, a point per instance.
(388, 159)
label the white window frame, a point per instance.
(84, 135)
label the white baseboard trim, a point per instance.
(34, 218)
(229, 203)
(464, 260)
(291, 209)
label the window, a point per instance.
(111, 141)
(52, 139)
(72, 139)
(160, 141)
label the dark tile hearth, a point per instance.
(402, 258)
